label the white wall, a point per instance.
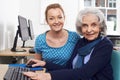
(118, 16)
(8, 21)
(71, 10)
(33, 9)
(30, 9)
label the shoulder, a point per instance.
(104, 45)
(106, 41)
(73, 35)
(41, 37)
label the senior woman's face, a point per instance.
(90, 27)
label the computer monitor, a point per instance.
(22, 32)
(30, 28)
(23, 28)
(31, 33)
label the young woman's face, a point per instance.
(55, 19)
(90, 27)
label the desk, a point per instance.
(8, 52)
(22, 55)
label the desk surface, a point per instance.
(8, 52)
(3, 69)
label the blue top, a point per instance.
(58, 55)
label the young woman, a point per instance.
(55, 45)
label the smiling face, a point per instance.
(90, 27)
(55, 19)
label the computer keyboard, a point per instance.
(15, 72)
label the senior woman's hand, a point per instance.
(38, 76)
(35, 62)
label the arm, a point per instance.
(48, 65)
(39, 41)
(38, 56)
(51, 66)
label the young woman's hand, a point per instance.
(35, 62)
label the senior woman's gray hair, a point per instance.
(96, 12)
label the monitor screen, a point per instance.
(23, 28)
(31, 32)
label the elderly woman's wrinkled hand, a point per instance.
(38, 76)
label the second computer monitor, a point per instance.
(31, 32)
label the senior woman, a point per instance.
(91, 57)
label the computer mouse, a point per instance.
(32, 50)
(29, 65)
